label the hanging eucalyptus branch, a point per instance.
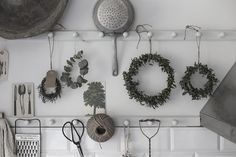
(132, 86)
(78, 60)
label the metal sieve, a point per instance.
(113, 17)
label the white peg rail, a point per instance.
(157, 35)
(166, 121)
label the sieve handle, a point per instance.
(115, 60)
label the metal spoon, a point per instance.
(29, 93)
(21, 91)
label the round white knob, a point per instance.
(175, 122)
(150, 123)
(149, 34)
(126, 123)
(221, 35)
(75, 35)
(173, 34)
(125, 34)
(101, 34)
(50, 35)
(75, 122)
(52, 121)
(198, 34)
(27, 122)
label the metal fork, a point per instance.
(29, 103)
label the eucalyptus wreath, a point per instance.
(198, 93)
(132, 86)
(78, 60)
(49, 97)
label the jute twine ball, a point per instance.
(100, 127)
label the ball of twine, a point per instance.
(100, 127)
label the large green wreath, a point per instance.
(78, 60)
(198, 93)
(132, 86)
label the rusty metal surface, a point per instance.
(26, 18)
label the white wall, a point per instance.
(29, 62)
(29, 59)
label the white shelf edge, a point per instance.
(158, 35)
(166, 121)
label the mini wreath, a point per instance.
(198, 93)
(78, 60)
(49, 97)
(132, 86)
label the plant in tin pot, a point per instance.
(95, 96)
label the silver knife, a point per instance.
(15, 99)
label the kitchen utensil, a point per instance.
(126, 139)
(15, 100)
(5, 69)
(113, 17)
(29, 97)
(154, 122)
(1, 67)
(74, 137)
(26, 18)
(28, 145)
(21, 92)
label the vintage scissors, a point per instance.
(74, 133)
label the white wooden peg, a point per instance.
(149, 34)
(150, 123)
(101, 34)
(221, 35)
(175, 122)
(75, 35)
(125, 34)
(198, 34)
(126, 123)
(174, 34)
(50, 34)
(75, 122)
(27, 122)
(52, 121)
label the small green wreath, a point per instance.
(49, 97)
(198, 93)
(78, 60)
(132, 86)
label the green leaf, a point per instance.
(83, 64)
(67, 69)
(69, 63)
(83, 71)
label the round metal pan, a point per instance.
(27, 18)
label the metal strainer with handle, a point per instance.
(113, 17)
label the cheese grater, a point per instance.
(28, 144)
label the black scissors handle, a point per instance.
(73, 129)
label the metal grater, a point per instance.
(28, 145)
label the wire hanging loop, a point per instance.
(51, 47)
(143, 29)
(197, 29)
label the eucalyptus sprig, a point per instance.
(78, 60)
(198, 93)
(132, 86)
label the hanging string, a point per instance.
(51, 48)
(198, 38)
(143, 29)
